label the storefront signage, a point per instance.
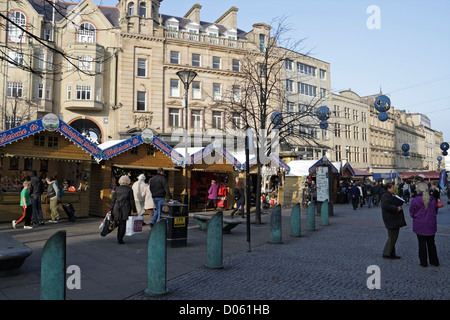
(322, 184)
(20, 132)
(122, 147)
(77, 138)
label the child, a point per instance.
(25, 203)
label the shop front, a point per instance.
(50, 147)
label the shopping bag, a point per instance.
(107, 225)
(134, 225)
(440, 204)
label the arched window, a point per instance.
(86, 33)
(131, 9)
(142, 10)
(16, 27)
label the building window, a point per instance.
(142, 67)
(50, 62)
(52, 142)
(290, 106)
(196, 60)
(85, 63)
(262, 42)
(140, 105)
(39, 140)
(16, 27)
(323, 74)
(98, 94)
(142, 10)
(40, 92)
(174, 118)
(11, 122)
(217, 91)
(336, 111)
(337, 130)
(48, 92)
(236, 65)
(289, 85)
(69, 92)
(131, 9)
(323, 93)
(48, 35)
(338, 153)
(217, 119)
(174, 57)
(196, 90)
(305, 69)
(14, 90)
(41, 60)
(86, 33)
(83, 92)
(15, 58)
(174, 88)
(216, 62)
(307, 89)
(288, 63)
(237, 121)
(236, 94)
(196, 119)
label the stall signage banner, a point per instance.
(201, 153)
(122, 147)
(322, 184)
(176, 157)
(442, 177)
(280, 162)
(77, 138)
(230, 158)
(21, 132)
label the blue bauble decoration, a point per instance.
(444, 153)
(444, 146)
(405, 153)
(405, 147)
(323, 113)
(276, 119)
(323, 124)
(382, 103)
(383, 116)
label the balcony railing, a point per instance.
(207, 39)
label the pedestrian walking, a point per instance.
(53, 195)
(25, 203)
(354, 195)
(138, 193)
(239, 197)
(393, 218)
(212, 194)
(369, 191)
(406, 192)
(122, 204)
(37, 188)
(159, 189)
(423, 210)
(149, 204)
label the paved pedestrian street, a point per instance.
(329, 263)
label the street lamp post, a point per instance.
(186, 77)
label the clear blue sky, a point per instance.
(408, 56)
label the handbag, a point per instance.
(440, 204)
(134, 225)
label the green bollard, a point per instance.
(157, 259)
(295, 221)
(214, 242)
(324, 213)
(310, 217)
(275, 225)
(53, 268)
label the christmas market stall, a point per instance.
(37, 146)
(141, 154)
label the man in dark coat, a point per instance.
(354, 194)
(159, 188)
(393, 218)
(122, 203)
(36, 189)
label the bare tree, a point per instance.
(260, 97)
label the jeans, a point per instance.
(369, 201)
(36, 204)
(158, 202)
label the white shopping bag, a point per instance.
(134, 225)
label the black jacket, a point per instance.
(239, 195)
(159, 187)
(37, 187)
(122, 203)
(392, 218)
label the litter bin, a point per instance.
(177, 218)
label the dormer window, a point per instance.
(212, 30)
(194, 29)
(231, 34)
(172, 24)
(86, 33)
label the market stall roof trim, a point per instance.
(355, 172)
(321, 163)
(421, 174)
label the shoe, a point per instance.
(151, 225)
(391, 257)
(55, 221)
(435, 265)
(121, 242)
(41, 222)
(423, 265)
(395, 257)
(14, 224)
(28, 227)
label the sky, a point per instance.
(401, 46)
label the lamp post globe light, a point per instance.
(186, 77)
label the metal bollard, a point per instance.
(295, 221)
(275, 225)
(214, 242)
(310, 217)
(53, 265)
(157, 260)
(324, 214)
